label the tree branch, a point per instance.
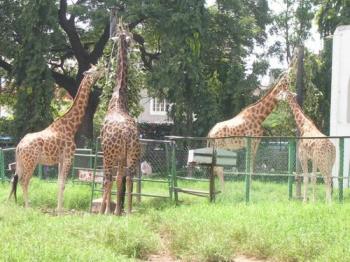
(100, 45)
(147, 58)
(68, 83)
(68, 26)
(8, 67)
(132, 25)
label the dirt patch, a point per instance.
(162, 258)
(247, 259)
(168, 258)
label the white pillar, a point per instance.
(340, 96)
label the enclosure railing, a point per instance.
(156, 154)
(266, 158)
(272, 159)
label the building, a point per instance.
(154, 121)
(154, 110)
(340, 96)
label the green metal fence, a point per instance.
(275, 162)
(155, 184)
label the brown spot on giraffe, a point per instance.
(119, 137)
(53, 145)
(320, 150)
(248, 123)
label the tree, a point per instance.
(75, 33)
(202, 68)
(332, 13)
(292, 25)
(188, 52)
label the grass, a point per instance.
(269, 227)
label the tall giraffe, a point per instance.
(55, 144)
(119, 136)
(320, 150)
(247, 123)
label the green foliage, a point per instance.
(331, 14)
(293, 24)
(136, 81)
(32, 75)
(207, 57)
(60, 105)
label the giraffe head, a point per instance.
(286, 95)
(123, 34)
(95, 72)
(282, 84)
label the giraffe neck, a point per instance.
(264, 106)
(302, 121)
(119, 100)
(74, 116)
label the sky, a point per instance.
(314, 43)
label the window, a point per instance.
(158, 106)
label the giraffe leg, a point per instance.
(219, 171)
(118, 208)
(255, 146)
(108, 190)
(328, 182)
(24, 183)
(65, 167)
(314, 180)
(24, 178)
(107, 185)
(306, 177)
(129, 190)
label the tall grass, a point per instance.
(269, 227)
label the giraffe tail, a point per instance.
(14, 183)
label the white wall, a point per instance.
(4, 112)
(340, 95)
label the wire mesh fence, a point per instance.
(256, 169)
(273, 168)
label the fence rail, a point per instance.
(273, 160)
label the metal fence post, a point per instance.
(341, 169)
(40, 171)
(168, 170)
(73, 167)
(247, 169)
(211, 179)
(138, 183)
(291, 165)
(2, 165)
(173, 171)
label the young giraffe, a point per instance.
(119, 137)
(55, 144)
(320, 151)
(247, 123)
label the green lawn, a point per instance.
(269, 227)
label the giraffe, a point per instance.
(119, 136)
(55, 144)
(319, 150)
(247, 123)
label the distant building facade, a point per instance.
(154, 110)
